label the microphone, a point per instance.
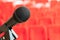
(20, 15)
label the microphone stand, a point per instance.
(9, 35)
(9, 32)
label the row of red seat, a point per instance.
(43, 24)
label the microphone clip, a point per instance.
(10, 35)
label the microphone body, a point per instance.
(8, 25)
(20, 15)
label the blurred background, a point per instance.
(44, 21)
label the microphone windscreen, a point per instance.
(22, 14)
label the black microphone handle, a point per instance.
(8, 25)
